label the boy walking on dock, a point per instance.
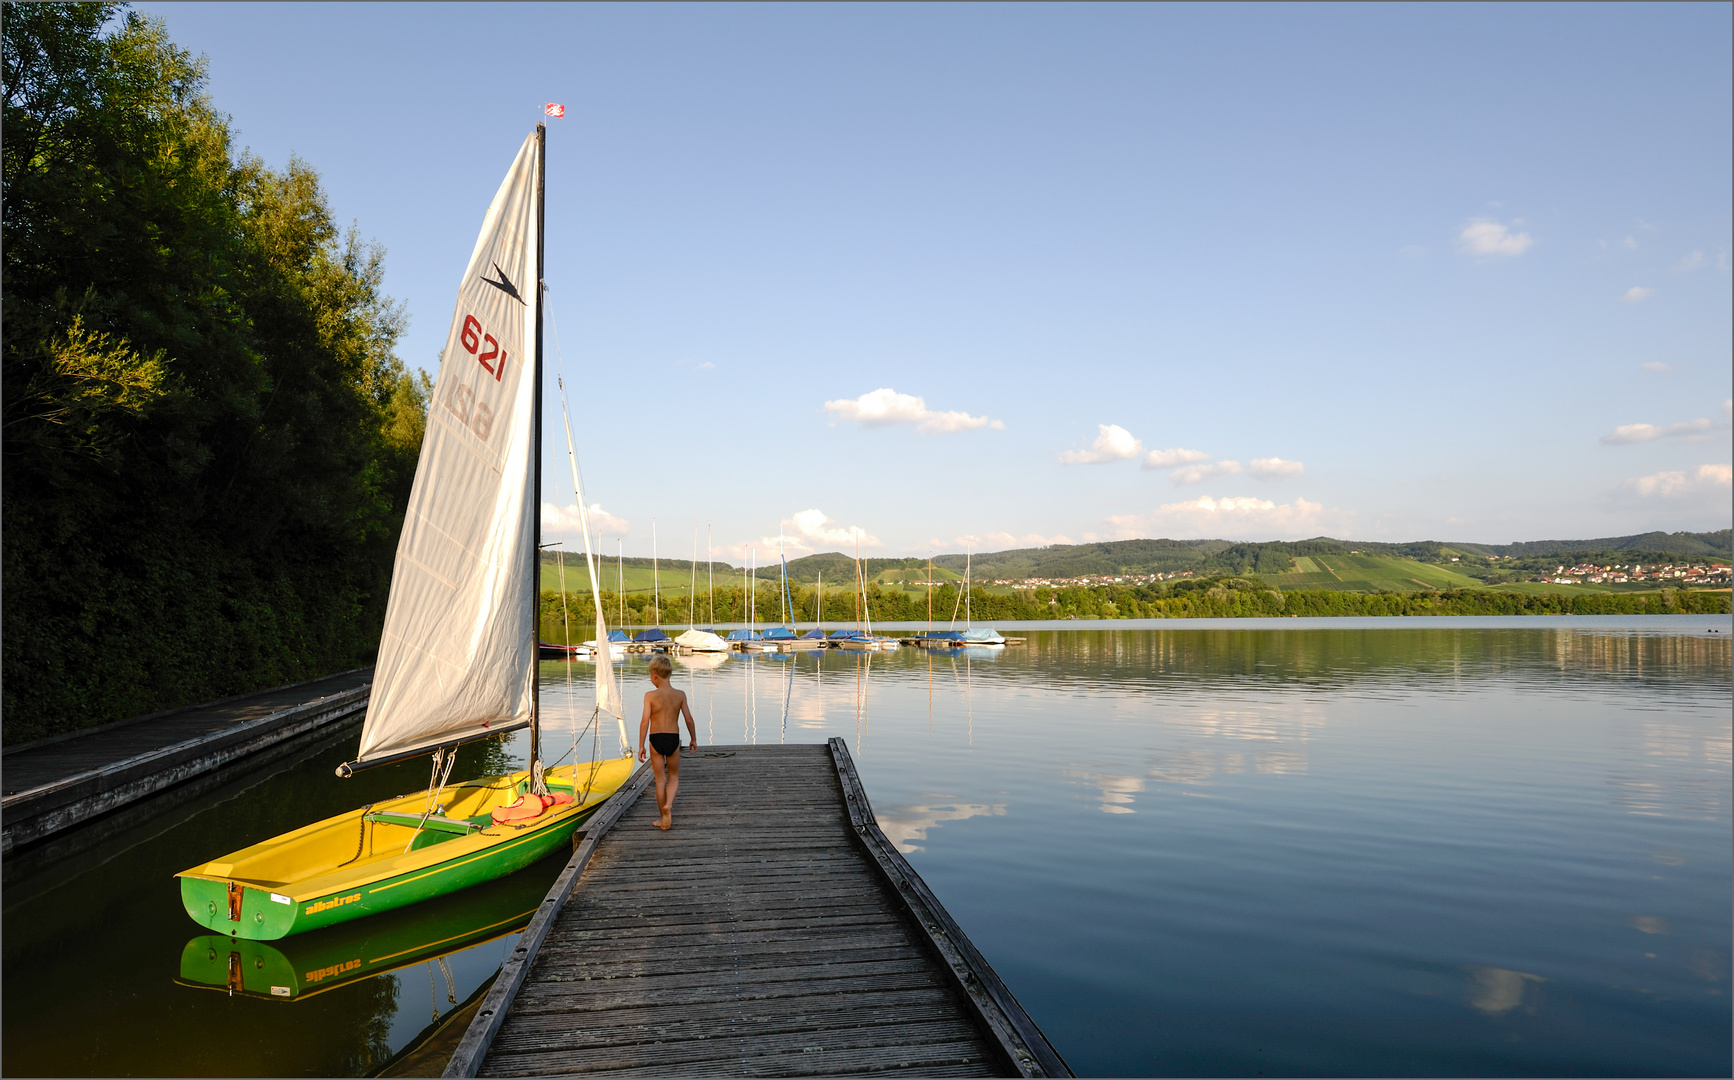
(663, 708)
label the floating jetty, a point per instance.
(56, 783)
(775, 931)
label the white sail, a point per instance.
(458, 654)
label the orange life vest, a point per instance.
(529, 807)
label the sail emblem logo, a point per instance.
(504, 284)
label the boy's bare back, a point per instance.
(663, 706)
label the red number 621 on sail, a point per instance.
(472, 337)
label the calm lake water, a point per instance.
(1287, 847)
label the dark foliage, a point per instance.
(208, 441)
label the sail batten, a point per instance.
(455, 660)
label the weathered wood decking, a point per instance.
(774, 932)
(62, 781)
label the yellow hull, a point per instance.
(356, 864)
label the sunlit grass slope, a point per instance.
(1369, 573)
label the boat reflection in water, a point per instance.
(307, 964)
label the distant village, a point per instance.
(1707, 573)
(1092, 579)
(1694, 574)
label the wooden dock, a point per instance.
(56, 783)
(775, 931)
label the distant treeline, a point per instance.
(208, 441)
(1210, 598)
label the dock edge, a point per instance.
(973, 978)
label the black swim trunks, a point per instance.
(665, 742)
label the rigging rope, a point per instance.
(360, 840)
(439, 756)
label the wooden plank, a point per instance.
(842, 1013)
(599, 1007)
(868, 974)
(895, 1046)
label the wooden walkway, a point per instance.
(774, 931)
(56, 783)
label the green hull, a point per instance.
(267, 916)
(312, 963)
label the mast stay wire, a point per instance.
(604, 664)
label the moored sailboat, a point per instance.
(457, 657)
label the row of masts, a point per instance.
(863, 617)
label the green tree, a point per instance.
(208, 441)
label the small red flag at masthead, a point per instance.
(553, 109)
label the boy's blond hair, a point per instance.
(661, 665)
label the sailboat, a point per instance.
(457, 657)
(696, 640)
(986, 635)
(783, 637)
(857, 640)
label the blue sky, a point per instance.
(994, 276)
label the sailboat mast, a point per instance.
(536, 457)
(655, 576)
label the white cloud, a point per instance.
(706, 366)
(1728, 409)
(804, 533)
(1114, 443)
(1637, 294)
(562, 521)
(884, 407)
(1232, 518)
(1630, 242)
(1691, 262)
(1197, 474)
(1627, 434)
(1667, 485)
(1269, 468)
(1411, 251)
(1656, 366)
(1486, 237)
(1167, 459)
(906, 826)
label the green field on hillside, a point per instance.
(1369, 573)
(638, 579)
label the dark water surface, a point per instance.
(1286, 847)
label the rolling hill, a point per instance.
(1320, 563)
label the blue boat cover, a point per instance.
(744, 635)
(653, 634)
(779, 633)
(986, 635)
(850, 635)
(943, 635)
(814, 634)
(618, 635)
